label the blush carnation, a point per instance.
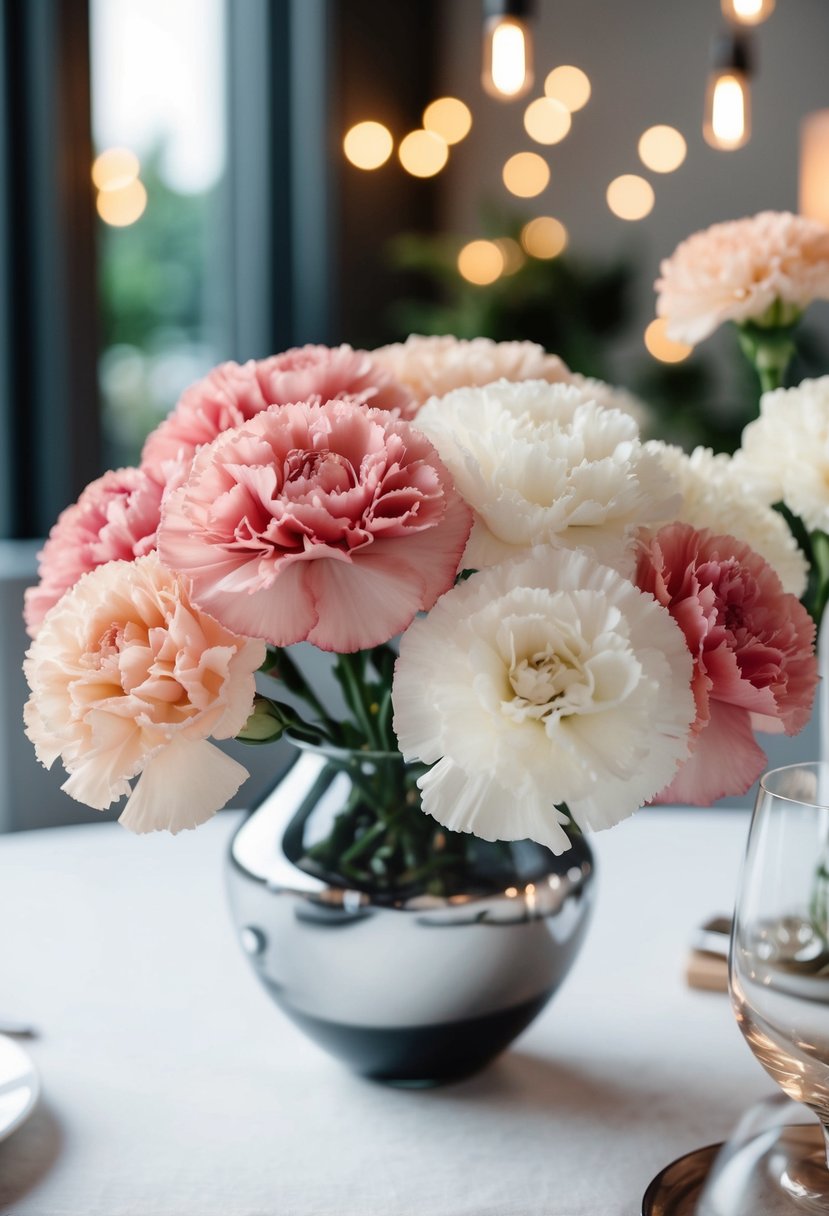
(128, 679)
(753, 651)
(233, 393)
(764, 269)
(116, 518)
(434, 366)
(546, 464)
(327, 523)
(539, 682)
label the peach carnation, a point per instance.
(128, 679)
(434, 366)
(327, 523)
(233, 393)
(116, 518)
(753, 651)
(764, 269)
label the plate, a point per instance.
(676, 1189)
(19, 1086)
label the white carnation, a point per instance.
(785, 452)
(544, 681)
(613, 398)
(717, 495)
(546, 464)
(434, 366)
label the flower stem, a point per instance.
(769, 350)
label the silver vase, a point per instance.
(415, 985)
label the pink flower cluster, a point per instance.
(753, 649)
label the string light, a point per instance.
(115, 168)
(123, 206)
(481, 262)
(569, 85)
(546, 120)
(511, 253)
(368, 145)
(449, 118)
(423, 153)
(508, 50)
(630, 197)
(544, 237)
(526, 174)
(727, 121)
(662, 149)
(661, 346)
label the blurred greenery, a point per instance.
(583, 310)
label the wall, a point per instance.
(647, 61)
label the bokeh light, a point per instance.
(630, 197)
(661, 346)
(115, 168)
(481, 262)
(449, 118)
(423, 153)
(512, 254)
(368, 145)
(569, 85)
(526, 174)
(546, 120)
(662, 149)
(544, 237)
(124, 206)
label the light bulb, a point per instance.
(727, 124)
(508, 57)
(747, 12)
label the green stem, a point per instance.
(349, 670)
(820, 563)
(280, 666)
(769, 350)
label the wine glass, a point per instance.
(779, 974)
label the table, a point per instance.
(173, 1087)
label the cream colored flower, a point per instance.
(717, 495)
(785, 452)
(765, 269)
(544, 464)
(543, 681)
(434, 366)
(128, 679)
(612, 397)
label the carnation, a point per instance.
(716, 495)
(128, 679)
(765, 269)
(785, 452)
(753, 650)
(116, 518)
(612, 397)
(333, 524)
(544, 681)
(546, 464)
(434, 366)
(234, 393)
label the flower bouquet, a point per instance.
(552, 622)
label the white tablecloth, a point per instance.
(173, 1087)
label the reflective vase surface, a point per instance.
(419, 982)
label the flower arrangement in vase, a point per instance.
(539, 624)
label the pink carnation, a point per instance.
(116, 518)
(328, 523)
(753, 650)
(234, 393)
(128, 680)
(764, 269)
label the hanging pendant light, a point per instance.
(727, 122)
(508, 49)
(747, 12)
